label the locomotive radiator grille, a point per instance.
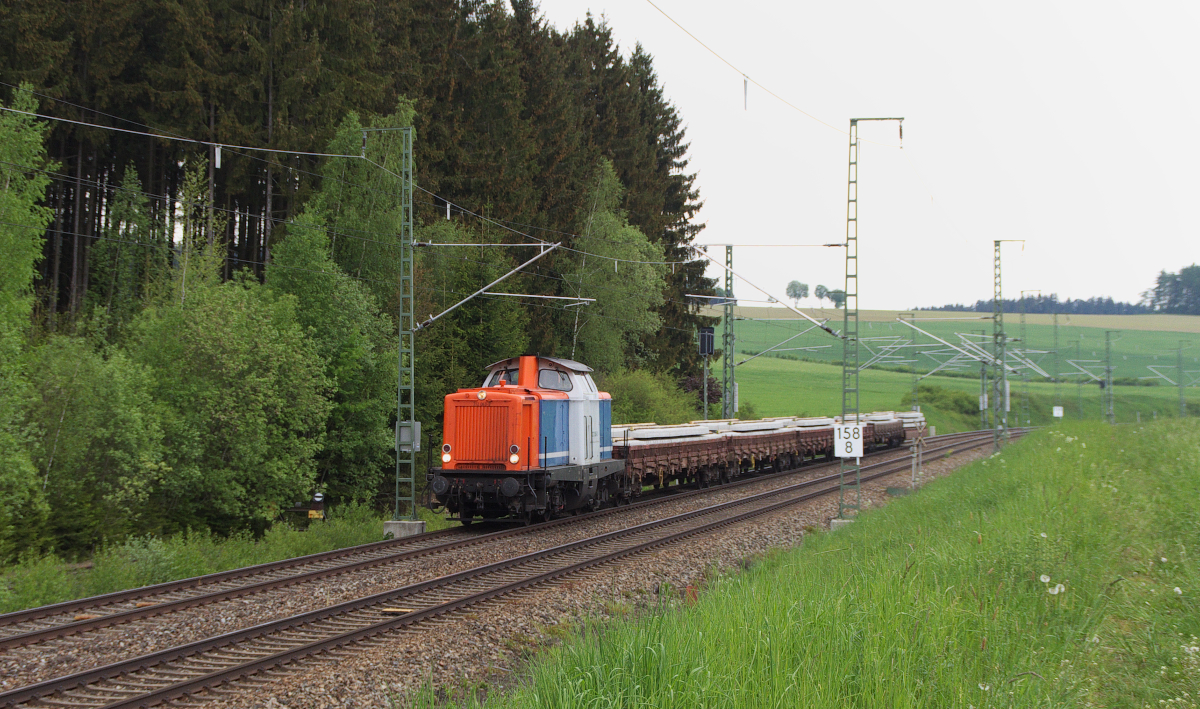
(481, 434)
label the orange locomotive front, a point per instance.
(534, 441)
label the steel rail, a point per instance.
(126, 616)
(150, 661)
(133, 594)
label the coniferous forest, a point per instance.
(194, 339)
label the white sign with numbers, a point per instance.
(848, 441)
(1058, 412)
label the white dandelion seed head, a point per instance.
(1045, 578)
(1053, 590)
(1083, 444)
(985, 687)
(1060, 587)
(1044, 535)
(1178, 591)
(1163, 559)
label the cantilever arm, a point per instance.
(432, 318)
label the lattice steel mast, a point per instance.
(727, 342)
(999, 374)
(405, 395)
(850, 339)
(1179, 366)
(1109, 413)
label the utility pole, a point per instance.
(851, 467)
(728, 407)
(1109, 413)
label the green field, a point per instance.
(803, 381)
(777, 387)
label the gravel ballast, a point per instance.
(484, 648)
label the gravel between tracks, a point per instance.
(56, 658)
(486, 646)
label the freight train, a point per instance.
(536, 441)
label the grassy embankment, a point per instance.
(145, 561)
(1063, 572)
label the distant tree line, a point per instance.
(1051, 304)
(1175, 292)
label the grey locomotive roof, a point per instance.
(565, 363)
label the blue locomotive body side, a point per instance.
(555, 431)
(606, 428)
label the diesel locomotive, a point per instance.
(534, 441)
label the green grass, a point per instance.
(141, 562)
(1060, 573)
(779, 387)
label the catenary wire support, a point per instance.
(545, 249)
(1025, 348)
(850, 468)
(1179, 370)
(999, 355)
(405, 382)
(729, 405)
(916, 377)
(1057, 399)
(1110, 413)
(983, 388)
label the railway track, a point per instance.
(45, 623)
(210, 663)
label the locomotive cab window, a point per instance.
(509, 375)
(554, 379)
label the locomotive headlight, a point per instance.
(445, 452)
(515, 457)
(445, 457)
(481, 395)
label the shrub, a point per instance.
(640, 396)
(98, 442)
(244, 403)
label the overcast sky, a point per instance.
(1072, 125)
